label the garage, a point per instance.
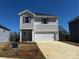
(44, 36)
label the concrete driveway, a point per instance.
(58, 50)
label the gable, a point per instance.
(26, 12)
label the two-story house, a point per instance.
(38, 27)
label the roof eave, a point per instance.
(25, 12)
(46, 16)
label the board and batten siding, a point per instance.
(4, 35)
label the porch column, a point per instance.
(33, 39)
(20, 35)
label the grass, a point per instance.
(24, 51)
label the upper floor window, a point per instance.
(26, 20)
(45, 21)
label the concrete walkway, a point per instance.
(58, 50)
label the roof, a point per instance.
(1, 26)
(34, 13)
(42, 14)
(25, 12)
(74, 19)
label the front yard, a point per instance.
(24, 51)
(41, 50)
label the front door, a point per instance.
(26, 35)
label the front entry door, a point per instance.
(27, 35)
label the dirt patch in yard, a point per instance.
(24, 51)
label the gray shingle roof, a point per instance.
(43, 14)
(36, 13)
(74, 19)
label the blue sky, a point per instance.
(65, 9)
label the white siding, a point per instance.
(45, 28)
(4, 35)
(26, 25)
(51, 21)
(52, 24)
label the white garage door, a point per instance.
(44, 36)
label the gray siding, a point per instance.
(52, 24)
(4, 35)
(74, 30)
(25, 25)
(46, 28)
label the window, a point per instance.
(44, 20)
(24, 33)
(26, 20)
(27, 17)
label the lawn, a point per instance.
(24, 51)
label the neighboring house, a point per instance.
(74, 29)
(38, 27)
(4, 34)
(63, 34)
